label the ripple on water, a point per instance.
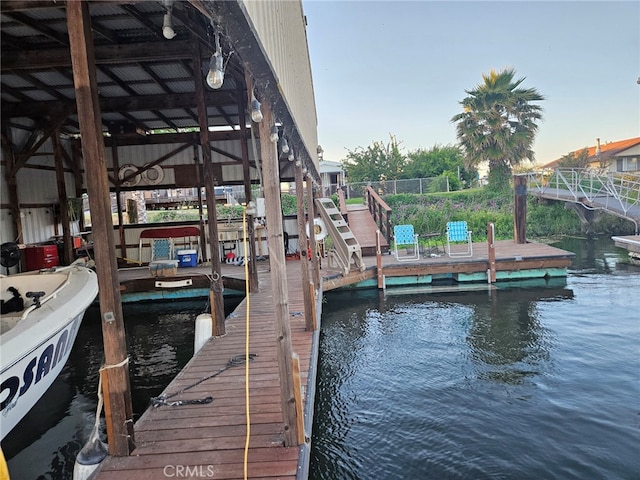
(522, 384)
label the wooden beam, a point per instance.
(39, 59)
(275, 240)
(120, 422)
(303, 242)
(311, 215)
(217, 287)
(116, 104)
(246, 177)
(491, 242)
(520, 209)
(63, 204)
(23, 157)
(192, 138)
(12, 186)
(28, 5)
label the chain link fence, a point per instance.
(394, 187)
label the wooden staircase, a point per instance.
(346, 250)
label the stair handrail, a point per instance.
(380, 211)
(342, 203)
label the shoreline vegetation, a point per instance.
(429, 213)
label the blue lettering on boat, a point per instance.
(10, 389)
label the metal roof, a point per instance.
(133, 59)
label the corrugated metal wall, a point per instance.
(280, 27)
(38, 194)
(140, 155)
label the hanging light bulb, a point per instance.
(291, 156)
(167, 21)
(167, 26)
(285, 145)
(298, 162)
(215, 77)
(274, 134)
(256, 113)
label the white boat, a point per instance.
(35, 341)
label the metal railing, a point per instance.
(392, 187)
(616, 192)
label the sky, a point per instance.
(400, 68)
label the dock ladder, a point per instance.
(346, 249)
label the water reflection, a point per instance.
(534, 380)
(45, 443)
(506, 336)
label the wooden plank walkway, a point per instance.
(208, 440)
(364, 228)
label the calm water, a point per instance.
(160, 337)
(522, 383)
(537, 383)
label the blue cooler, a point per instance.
(187, 258)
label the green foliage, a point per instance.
(438, 161)
(379, 162)
(498, 124)
(177, 215)
(430, 213)
(376, 162)
(228, 211)
(289, 206)
(575, 159)
(545, 219)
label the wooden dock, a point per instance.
(208, 440)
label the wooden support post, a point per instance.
(314, 313)
(380, 274)
(116, 169)
(311, 215)
(520, 209)
(278, 269)
(67, 243)
(217, 287)
(203, 236)
(75, 159)
(12, 186)
(297, 391)
(491, 242)
(302, 247)
(246, 174)
(120, 420)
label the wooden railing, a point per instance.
(342, 205)
(380, 211)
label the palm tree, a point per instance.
(498, 124)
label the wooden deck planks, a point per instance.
(213, 435)
(364, 228)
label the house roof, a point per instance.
(610, 149)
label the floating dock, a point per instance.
(631, 243)
(208, 440)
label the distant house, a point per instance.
(331, 175)
(620, 156)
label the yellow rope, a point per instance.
(247, 359)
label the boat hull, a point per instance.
(36, 347)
